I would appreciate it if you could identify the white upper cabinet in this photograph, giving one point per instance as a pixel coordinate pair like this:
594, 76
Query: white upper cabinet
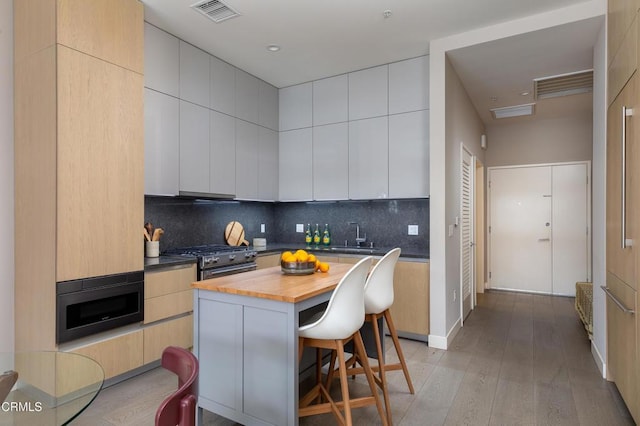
161, 61
409, 85
267, 164
295, 165
369, 158
161, 143
246, 160
268, 106
331, 162
222, 137
409, 155
331, 100
295, 107
194, 148
223, 86
368, 93
194, 75
247, 94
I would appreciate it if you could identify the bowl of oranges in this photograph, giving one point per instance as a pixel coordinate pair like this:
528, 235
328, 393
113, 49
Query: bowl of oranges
301, 263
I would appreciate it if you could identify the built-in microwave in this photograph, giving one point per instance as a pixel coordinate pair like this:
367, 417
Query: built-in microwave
92, 305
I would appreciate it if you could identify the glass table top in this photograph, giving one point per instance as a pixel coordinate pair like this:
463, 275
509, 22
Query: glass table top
53, 388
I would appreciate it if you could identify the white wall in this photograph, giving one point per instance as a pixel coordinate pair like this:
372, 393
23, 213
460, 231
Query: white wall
443, 323
6, 177
598, 188
540, 141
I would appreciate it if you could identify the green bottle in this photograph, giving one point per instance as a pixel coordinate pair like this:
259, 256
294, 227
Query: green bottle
316, 236
326, 236
307, 235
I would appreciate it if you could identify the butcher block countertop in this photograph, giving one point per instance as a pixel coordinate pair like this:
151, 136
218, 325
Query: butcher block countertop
271, 283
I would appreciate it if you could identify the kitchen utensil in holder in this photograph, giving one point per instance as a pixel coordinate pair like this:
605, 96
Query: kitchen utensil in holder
152, 248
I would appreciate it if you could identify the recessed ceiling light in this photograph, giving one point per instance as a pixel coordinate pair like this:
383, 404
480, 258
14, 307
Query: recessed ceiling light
513, 111
273, 48
386, 13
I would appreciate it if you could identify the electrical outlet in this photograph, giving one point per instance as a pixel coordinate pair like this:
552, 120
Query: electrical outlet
455, 295
299, 227
262, 228
413, 230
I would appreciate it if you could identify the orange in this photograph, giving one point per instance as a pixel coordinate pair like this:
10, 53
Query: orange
300, 252
324, 267
285, 254
312, 258
317, 265
302, 257
290, 258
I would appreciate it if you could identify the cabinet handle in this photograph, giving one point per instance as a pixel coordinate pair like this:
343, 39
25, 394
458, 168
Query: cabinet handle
617, 302
626, 112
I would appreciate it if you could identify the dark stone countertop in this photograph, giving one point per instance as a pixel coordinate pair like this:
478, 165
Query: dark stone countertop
376, 251
153, 263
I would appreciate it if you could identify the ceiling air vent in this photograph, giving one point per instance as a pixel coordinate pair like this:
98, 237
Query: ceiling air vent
513, 111
563, 85
215, 10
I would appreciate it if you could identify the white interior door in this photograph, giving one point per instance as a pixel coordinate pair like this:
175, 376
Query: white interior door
570, 243
520, 229
467, 261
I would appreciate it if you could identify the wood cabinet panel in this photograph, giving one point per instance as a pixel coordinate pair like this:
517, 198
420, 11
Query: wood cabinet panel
267, 261
177, 332
622, 262
623, 64
410, 309
34, 26
169, 305
117, 355
100, 176
168, 281
620, 14
112, 30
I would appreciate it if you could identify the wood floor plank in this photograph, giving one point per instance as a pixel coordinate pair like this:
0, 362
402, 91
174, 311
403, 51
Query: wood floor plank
513, 403
554, 405
473, 402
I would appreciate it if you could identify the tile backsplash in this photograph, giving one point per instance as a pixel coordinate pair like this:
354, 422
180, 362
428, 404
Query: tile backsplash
190, 222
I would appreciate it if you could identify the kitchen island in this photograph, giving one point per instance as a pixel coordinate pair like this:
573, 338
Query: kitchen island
246, 339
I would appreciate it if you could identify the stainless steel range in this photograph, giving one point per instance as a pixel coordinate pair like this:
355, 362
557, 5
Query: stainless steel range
218, 260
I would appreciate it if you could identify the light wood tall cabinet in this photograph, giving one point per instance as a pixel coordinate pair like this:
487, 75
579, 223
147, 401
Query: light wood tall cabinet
623, 202
78, 151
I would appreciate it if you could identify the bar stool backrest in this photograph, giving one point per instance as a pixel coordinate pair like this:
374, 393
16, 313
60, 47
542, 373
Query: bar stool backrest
345, 313
378, 290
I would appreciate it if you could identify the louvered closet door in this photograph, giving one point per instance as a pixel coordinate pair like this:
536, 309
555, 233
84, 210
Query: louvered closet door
466, 232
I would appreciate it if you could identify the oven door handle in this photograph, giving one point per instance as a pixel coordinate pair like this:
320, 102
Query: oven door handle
227, 270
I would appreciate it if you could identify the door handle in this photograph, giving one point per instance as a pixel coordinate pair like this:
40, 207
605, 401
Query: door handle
626, 242
617, 301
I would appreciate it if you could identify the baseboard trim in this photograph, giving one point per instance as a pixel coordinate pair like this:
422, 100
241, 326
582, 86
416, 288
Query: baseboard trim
602, 366
443, 342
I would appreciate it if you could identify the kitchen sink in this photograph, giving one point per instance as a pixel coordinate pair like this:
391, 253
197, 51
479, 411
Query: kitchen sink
353, 249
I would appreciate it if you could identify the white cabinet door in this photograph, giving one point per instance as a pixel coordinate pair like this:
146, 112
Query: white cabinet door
247, 93
295, 107
246, 160
223, 86
194, 74
331, 100
268, 106
222, 136
409, 155
368, 93
194, 148
267, 164
369, 158
331, 162
295, 177
161, 61
161, 143
409, 85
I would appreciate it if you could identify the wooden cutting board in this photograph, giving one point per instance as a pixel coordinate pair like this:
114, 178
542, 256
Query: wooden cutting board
234, 234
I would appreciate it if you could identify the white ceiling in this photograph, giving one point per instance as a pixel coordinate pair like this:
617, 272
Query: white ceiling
330, 37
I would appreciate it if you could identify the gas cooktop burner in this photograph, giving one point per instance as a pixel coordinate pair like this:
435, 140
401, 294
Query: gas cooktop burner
217, 260
204, 250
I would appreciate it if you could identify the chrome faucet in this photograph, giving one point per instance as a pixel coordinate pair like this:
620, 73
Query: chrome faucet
359, 240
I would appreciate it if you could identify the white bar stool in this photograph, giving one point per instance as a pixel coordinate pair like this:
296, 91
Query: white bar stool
378, 298
339, 324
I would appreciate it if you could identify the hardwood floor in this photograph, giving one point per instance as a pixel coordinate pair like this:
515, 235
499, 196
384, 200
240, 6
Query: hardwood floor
520, 359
